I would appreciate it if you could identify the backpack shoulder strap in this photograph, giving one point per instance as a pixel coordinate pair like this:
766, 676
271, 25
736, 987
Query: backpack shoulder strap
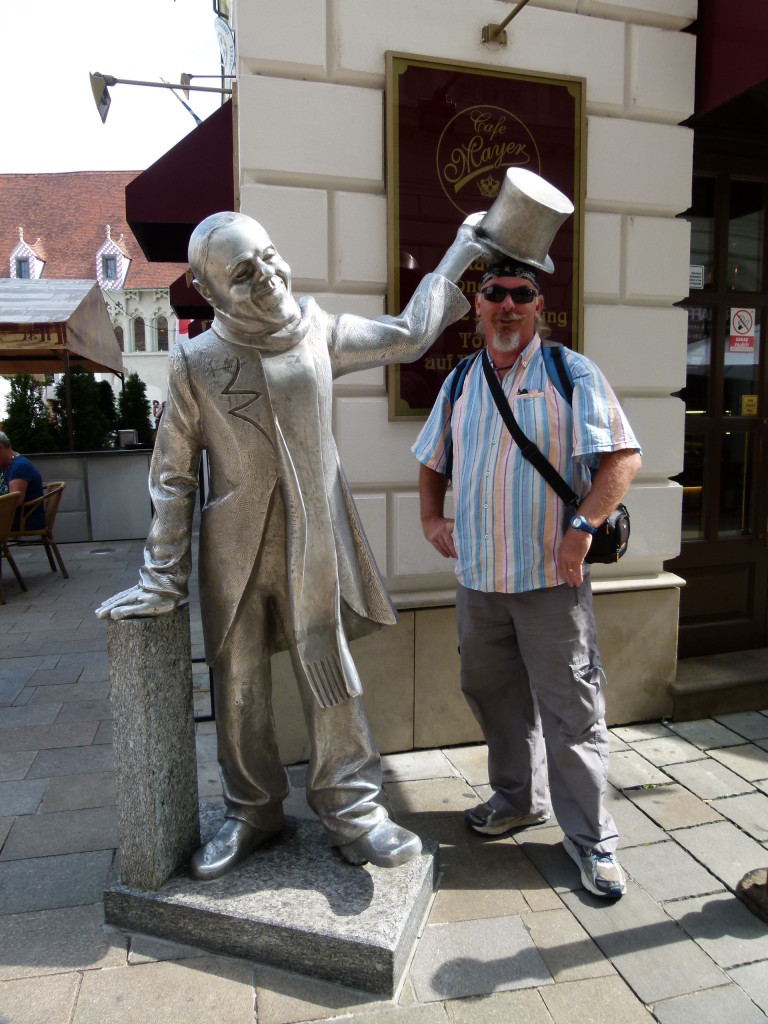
457, 385
558, 370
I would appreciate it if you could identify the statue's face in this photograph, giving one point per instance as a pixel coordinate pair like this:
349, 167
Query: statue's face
246, 277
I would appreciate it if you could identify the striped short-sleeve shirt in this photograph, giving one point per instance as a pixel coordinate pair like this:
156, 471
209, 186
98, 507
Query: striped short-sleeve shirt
509, 521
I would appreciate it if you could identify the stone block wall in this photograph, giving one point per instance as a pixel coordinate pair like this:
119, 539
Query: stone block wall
310, 123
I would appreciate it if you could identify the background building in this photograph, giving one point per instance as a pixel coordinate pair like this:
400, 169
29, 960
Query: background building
72, 225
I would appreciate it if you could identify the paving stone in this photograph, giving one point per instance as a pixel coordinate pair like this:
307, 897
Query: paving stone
57, 941
706, 733
499, 1008
667, 872
644, 731
417, 765
77, 691
12, 682
709, 779
144, 949
105, 733
544, 848
598, 1001
284, 998
652, 953
668, 750
206, 747
712, 1007
451, 794
468, 958
627, 770
75, 792
748, 761
44, 882
16, 766
567, 950
41, 714
754, 980
752, 725
47, 737
634, 827
614, 743
480, 885
208, 780
24, 697
21, 797
5, 828
39, 1000
724, 927
61, 832
85, 711
471, 762
72, 761
193, 991
672, 806
749, 812
61, 675
724, 849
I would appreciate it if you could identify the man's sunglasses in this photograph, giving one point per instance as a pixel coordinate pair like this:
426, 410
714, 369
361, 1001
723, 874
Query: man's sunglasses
520, 295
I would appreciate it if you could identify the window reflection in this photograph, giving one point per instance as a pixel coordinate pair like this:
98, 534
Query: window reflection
692, 482
696, 389
746, 226
701, 217
735, 485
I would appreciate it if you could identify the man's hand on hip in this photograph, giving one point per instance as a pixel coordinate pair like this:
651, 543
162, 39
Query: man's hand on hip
439, 532
570, 557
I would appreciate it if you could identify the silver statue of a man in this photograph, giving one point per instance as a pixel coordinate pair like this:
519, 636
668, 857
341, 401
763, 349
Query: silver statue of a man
283, 560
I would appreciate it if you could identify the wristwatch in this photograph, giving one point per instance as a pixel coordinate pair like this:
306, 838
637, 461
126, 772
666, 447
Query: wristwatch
580, 523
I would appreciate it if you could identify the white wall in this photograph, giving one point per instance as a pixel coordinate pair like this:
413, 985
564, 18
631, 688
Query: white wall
311, 138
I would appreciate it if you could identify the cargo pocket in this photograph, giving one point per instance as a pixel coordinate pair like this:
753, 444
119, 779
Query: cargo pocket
587, 699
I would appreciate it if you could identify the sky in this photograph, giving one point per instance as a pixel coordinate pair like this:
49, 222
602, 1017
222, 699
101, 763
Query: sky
48, 117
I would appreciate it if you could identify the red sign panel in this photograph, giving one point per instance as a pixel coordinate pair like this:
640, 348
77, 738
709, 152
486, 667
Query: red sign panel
452, 132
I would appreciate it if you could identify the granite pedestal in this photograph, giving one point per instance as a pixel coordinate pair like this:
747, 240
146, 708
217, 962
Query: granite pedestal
150, 670
294, 904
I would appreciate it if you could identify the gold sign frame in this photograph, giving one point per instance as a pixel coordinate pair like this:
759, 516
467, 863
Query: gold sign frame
452, 126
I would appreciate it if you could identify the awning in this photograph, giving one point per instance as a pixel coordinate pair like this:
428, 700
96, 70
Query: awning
46, 323
192, 180
731, 51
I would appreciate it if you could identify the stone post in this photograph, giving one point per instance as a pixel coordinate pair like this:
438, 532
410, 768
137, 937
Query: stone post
154, 745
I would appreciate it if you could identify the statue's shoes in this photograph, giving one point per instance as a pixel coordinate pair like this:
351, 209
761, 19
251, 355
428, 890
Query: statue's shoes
386, 845
234, 841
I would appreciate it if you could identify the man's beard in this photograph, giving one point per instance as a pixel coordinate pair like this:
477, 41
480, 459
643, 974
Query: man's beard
506, 340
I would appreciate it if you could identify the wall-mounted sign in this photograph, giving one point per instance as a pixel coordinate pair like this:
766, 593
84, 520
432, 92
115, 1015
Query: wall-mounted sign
696, 277
749, 405
742, 333
452, 132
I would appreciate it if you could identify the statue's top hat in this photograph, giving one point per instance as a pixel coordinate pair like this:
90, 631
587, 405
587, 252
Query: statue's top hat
525, 217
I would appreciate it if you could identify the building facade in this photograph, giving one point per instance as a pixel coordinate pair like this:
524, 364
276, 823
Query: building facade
310, 129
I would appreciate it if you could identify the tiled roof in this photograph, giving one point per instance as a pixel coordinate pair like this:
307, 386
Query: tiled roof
69, 213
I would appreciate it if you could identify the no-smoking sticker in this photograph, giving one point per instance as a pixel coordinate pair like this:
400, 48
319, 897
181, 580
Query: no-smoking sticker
742, 336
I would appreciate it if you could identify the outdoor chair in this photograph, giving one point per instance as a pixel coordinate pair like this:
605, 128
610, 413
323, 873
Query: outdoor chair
44, 535
8, 505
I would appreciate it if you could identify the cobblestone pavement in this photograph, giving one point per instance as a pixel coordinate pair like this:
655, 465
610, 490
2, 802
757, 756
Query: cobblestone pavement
511, 935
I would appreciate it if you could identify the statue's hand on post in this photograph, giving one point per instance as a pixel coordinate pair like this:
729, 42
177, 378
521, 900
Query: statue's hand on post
467, 247
137, 603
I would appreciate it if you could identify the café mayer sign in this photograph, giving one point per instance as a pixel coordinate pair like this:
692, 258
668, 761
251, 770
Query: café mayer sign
453, 130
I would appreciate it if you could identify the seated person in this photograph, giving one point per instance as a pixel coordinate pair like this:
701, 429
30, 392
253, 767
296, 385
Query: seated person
22, 477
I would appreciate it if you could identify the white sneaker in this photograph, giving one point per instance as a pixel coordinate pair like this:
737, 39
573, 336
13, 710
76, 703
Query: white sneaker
601, 873
490, 822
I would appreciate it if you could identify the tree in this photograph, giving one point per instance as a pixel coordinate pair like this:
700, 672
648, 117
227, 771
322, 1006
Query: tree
93, 419
134, 409
27, 422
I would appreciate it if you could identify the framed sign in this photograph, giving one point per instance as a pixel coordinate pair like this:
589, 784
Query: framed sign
453, 129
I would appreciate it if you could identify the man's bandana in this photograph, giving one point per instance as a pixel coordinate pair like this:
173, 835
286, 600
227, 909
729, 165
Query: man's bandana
512, 268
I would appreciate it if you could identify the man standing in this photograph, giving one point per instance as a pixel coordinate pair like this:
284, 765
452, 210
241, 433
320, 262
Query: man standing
529, 659
284, 563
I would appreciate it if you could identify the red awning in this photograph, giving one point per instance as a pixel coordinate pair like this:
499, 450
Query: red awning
731, 53
192, 180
